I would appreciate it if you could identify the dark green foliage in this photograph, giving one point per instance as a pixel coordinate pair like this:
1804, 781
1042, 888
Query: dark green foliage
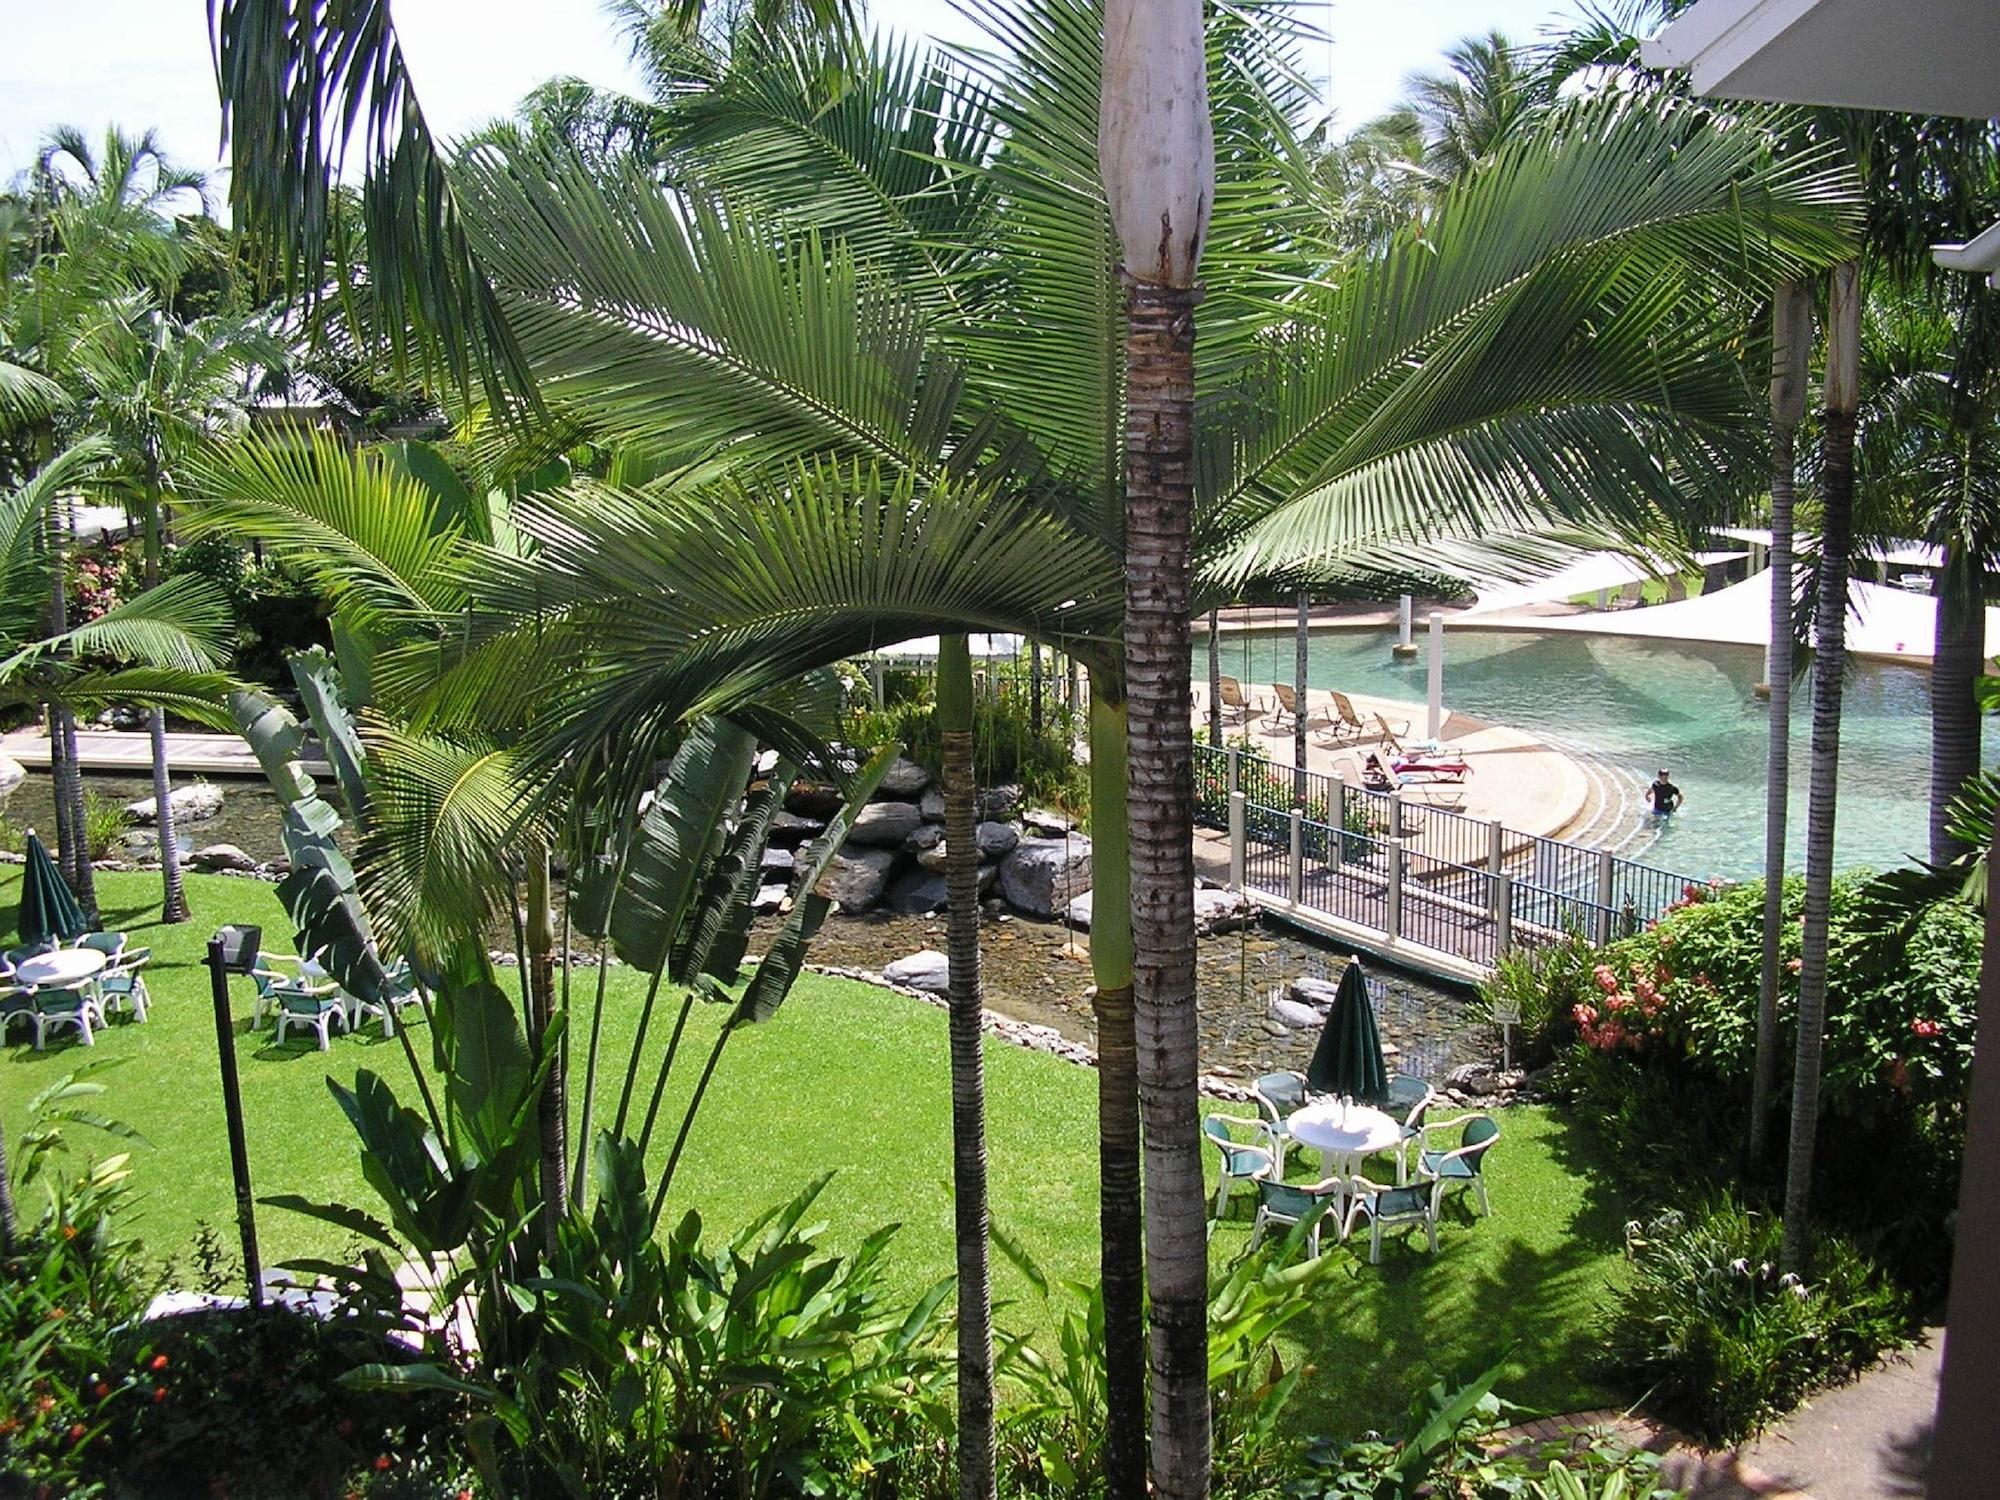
277, 610
1721, 1342
1007, 745
1544, 986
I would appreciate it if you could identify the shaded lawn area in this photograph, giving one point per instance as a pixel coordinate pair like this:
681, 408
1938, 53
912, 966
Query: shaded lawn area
853, 1081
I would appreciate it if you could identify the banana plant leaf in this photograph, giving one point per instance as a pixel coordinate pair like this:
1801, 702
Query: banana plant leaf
319, 891
717, 933
320, 687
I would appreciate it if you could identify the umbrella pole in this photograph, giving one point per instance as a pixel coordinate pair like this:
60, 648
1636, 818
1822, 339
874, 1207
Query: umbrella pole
232, 1109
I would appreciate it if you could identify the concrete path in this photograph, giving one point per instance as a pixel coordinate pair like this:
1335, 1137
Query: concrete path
132, 753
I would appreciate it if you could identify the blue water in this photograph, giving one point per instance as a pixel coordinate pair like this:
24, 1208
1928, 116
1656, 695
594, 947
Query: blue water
1641, 705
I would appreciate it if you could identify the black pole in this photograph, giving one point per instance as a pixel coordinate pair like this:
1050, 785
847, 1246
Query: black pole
232, 1109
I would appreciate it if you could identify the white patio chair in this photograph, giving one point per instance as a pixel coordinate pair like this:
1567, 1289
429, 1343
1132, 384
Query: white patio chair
120, 987
15, 1005
70, 1005
1389, 1205
1279, 1096
316, 1011
1240, 1162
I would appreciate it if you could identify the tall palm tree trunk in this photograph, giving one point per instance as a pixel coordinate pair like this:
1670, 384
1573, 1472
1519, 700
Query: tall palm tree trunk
1121, 1249
1215, 678
968, 1073
551, 1108
1843, 345
173, 896
73, 848
1955, 665
10, 1226
1156, 156
1791, 350
1159, 510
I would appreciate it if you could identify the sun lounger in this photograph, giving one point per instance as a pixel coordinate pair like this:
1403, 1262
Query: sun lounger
1235, 707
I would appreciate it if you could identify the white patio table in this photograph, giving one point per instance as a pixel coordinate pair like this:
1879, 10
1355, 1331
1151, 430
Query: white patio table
1344, 1133
64, 966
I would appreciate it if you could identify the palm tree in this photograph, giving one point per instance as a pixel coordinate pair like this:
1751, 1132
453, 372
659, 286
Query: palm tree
1843, 378
159, 388
1489, 92
968, 1074
1791, 351
957, 467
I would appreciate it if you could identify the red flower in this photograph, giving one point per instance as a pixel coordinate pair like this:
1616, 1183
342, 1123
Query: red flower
159, 1394
101, 1391
69, 1231
1607, 980
382, 1462
1925, 1028
157, 1362
76, 1432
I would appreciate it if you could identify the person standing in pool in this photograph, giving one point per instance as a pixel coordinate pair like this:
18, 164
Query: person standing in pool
1664, 795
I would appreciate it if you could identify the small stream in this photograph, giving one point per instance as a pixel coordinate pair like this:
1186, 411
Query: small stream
1032, 971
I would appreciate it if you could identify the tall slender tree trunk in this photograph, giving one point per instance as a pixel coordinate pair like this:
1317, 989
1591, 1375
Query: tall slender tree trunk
968, 1070
1035, 685
1843, 379
1159, 510
1121, 1251
551, 1108
1156, 157
1215, 678
65, 772
1955, 665
10, 1225
1791, 350
173, 896
1301, 647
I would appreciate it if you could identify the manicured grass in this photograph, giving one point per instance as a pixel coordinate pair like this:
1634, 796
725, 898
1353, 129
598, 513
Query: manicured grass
853, 1081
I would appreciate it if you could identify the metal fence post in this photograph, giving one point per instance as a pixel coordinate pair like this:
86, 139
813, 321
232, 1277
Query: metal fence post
1295, 867
1606, 880
1239, 833
1235, 772
1396, 814
1503, 913
1336, 815
1393, 916
1496, 861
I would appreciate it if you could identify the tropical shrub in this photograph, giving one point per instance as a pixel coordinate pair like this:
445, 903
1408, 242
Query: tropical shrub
1009, 748
1543, 987
1720, 1341
104, 824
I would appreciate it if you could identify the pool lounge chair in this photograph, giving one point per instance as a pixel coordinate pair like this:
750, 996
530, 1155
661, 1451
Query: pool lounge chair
1285, 717
1235, 707
1392, 735
1345, 725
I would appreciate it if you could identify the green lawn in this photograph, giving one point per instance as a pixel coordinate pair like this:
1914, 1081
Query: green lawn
853, 1080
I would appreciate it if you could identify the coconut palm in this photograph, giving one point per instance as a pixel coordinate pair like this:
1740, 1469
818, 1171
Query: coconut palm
1837, 426
957, 466
159, 388
1491, 89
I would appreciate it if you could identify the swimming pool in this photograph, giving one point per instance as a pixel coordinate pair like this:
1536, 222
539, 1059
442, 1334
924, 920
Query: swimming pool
1639, 705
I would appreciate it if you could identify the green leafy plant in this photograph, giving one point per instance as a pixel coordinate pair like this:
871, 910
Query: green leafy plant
104, 823
1720, 1341
1009, 747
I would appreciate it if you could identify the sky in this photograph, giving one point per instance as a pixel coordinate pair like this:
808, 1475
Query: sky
143, 63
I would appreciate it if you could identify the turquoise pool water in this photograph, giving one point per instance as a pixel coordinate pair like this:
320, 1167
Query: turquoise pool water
1641, 705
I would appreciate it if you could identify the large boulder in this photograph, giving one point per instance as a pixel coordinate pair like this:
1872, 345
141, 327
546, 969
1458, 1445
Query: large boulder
12, 774
1047, 822
776, 861
1295, 1015
190, 804
997, 840
916, 891
1042, 876
221, 857
1318, 993
1220, 911
999, 803
855, 878
931, 805
789, 828
904, 779
809, 799
885, 824
927, 836
927, 970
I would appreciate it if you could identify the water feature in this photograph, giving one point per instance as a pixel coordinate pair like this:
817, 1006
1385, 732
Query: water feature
250, 817
1637, 705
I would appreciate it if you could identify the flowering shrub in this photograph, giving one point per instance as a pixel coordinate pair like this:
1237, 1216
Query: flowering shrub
1631, 1012
1724, 1342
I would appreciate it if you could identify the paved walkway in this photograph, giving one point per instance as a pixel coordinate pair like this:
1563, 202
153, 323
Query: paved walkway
132, 753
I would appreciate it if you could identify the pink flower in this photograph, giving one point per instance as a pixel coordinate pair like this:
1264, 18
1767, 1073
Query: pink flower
1606, 979
1586, 1015
1795, 964
1925, 1028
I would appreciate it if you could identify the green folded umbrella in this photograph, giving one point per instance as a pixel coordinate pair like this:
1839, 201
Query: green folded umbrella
1348, 1060
48, 909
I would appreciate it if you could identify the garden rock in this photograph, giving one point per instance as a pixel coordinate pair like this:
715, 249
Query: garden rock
809, 799
905, 779
1220, 911
777, 861
1048, 823
1318, 993
1078, 912
789, 828
1292, 1013
916, 891
769, 899
190, 804
926, 970
997, 840
855, 877
933, 856
931, 805
885, 824
999, 803
12, 774
1042, 876
221, 857
929, 836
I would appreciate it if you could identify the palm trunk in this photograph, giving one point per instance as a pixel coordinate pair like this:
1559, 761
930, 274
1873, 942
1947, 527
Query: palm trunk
1829, 667
1035, 686
1955, 666
1159, 511
73, 851
173, 895
968, 1070
552, 1106
10, 1228
1791, 348
1121, 1251
1215, 678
